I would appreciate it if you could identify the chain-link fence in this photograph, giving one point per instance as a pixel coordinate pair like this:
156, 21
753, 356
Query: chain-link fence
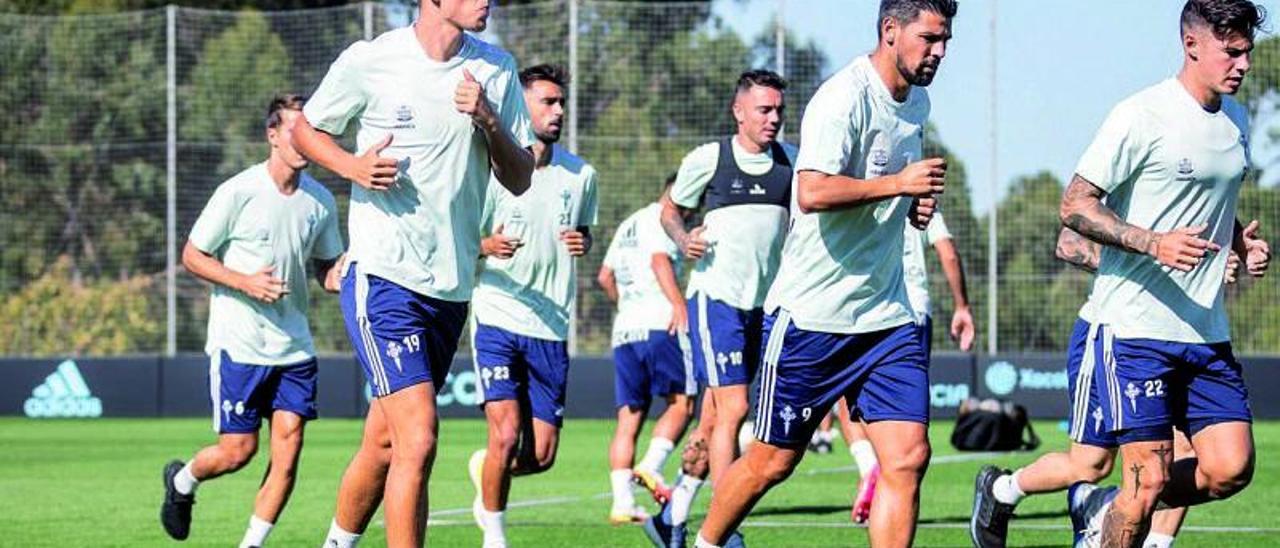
117, 128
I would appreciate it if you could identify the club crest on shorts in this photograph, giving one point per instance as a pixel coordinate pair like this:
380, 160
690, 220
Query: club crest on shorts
788, 414
393, 351
1132, 392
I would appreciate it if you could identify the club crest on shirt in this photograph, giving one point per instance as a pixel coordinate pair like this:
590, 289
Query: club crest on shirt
404, 117
879, 158
736, 186
1186, 171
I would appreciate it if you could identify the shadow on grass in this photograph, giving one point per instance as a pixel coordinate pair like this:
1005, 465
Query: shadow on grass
1016, 517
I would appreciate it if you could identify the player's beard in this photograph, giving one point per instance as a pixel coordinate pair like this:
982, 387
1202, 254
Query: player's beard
548, 137
917, 76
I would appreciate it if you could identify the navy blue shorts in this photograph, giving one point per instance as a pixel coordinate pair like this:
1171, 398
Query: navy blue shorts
725, 342
1085, 387
884, 375
656, 364
245, 394
401, 338
1153, 386
509, 366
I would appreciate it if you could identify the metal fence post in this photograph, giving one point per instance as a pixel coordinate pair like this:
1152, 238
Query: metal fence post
572, 141
368, 20
993, 268
171, 183
780, 48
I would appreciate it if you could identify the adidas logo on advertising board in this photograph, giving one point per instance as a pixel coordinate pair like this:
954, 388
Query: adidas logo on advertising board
63, 394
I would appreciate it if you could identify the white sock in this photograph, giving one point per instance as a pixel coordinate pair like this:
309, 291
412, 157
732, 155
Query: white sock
1157, 540
340, 538
256, 534
495, 533
704, 543
185, 482
656, 456
864, 455
1006, 488
682, 496
623, 499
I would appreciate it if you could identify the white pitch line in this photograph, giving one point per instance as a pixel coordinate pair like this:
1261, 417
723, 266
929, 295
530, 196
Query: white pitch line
551, 501
1017, 525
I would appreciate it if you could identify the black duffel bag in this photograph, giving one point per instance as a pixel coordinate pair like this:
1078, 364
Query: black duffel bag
993, 425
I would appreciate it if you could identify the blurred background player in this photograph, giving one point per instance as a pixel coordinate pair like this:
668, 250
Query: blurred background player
252, 242
961, 330
1169, 162
523, 302
438, 111
641, 273
742, 183
840, 323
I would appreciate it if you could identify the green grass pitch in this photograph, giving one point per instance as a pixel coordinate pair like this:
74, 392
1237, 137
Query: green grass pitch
97, 483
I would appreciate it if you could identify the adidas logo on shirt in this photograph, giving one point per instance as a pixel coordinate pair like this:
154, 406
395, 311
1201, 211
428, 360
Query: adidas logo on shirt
63, 394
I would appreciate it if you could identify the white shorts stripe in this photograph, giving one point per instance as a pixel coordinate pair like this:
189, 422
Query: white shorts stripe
215, 388
1084, 384
1113, 380
704, 333
690, 383
381, 386
475, 362
769, 374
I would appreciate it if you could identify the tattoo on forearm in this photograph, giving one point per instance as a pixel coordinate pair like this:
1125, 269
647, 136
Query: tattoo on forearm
1095, 221
1079, 251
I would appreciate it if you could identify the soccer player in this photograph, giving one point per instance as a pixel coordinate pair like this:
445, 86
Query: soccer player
1169, 162
438, 111
523, 302
743, 185
641, 273
1091, 455
961, 330
840, 322
253, 242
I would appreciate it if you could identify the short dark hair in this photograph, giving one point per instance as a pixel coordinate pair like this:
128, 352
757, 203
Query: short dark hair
671, 180
906, 11
1223, 17
760, 77
281, 103
545, 72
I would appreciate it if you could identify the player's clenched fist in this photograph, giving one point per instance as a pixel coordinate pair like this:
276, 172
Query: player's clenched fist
922, 210
470, 100
374, 171
923, 178
1258, 252
1183, 248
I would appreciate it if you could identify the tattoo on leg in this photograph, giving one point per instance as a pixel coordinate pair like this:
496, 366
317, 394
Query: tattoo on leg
1137, 481
1165, 453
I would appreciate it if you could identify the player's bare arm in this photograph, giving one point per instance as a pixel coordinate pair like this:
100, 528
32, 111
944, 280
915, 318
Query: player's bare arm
512, 165
328, 273
1255, 250
818, 191
262, 285
962, 328
666, 274
578, 241
370, 169
608, 282
1077, 250
1082, 210
674, 217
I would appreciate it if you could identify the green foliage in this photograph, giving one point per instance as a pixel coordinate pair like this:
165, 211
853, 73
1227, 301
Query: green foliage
63, 315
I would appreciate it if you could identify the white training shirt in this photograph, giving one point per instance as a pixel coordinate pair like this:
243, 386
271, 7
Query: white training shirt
249, 225
745, 240
642, 306
916, 246
842, 270
532, 293
424, 232
1166, 163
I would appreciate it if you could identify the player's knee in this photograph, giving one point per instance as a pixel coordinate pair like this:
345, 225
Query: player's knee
416, 447
544, 459
1092, 472
774, 468
731, 410
1227, 479
239, 451
911, 462
503, 440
